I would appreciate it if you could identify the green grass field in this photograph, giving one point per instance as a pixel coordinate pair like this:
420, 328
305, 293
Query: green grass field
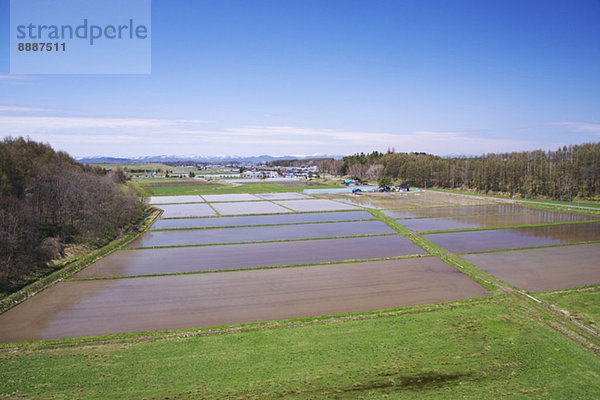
583, 304
229, 189
486, 349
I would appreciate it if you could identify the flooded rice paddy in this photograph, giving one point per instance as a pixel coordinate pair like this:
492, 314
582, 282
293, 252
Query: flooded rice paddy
315, 205
254, 255
492, 220
260, 233
283, 196
449, 211
250, 207
87, 308
186, 210
175, 199
261, 220
471, 241
538, 270
230, 197
409, 200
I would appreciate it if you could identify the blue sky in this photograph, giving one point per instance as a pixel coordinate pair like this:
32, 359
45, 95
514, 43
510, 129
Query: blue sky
307, 77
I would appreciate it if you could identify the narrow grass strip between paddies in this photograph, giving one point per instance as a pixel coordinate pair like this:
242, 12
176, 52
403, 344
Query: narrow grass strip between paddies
216, 212
264, 241
528, 248
324, 263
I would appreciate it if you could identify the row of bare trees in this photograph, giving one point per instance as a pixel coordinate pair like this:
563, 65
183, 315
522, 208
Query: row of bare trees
563, 174
48, 200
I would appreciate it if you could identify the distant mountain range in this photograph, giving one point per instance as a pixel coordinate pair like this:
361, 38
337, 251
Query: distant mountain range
195, 158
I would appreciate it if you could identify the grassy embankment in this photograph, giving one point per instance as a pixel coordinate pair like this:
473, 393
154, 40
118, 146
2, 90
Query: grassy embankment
581, 304
484, 349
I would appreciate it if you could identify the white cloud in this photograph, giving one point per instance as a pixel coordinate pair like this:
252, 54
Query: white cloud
23, 124
17, 79
19, 109
578, 126
151, 136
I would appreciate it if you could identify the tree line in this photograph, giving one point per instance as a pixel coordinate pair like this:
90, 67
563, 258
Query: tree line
49, 201
562, 174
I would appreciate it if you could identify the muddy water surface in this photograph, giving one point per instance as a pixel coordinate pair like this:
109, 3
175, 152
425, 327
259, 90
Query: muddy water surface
260, 220
315, 205
260, 233
283, 196
250, 207
411, 199
85, 308
230, 197
538, 270
186, 210
515, 238
448, 211
175, 199
493, 220
210, 258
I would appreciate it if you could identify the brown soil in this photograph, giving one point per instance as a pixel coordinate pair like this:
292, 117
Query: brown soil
538, 270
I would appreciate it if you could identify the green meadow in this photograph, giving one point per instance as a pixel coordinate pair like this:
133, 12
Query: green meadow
230, 189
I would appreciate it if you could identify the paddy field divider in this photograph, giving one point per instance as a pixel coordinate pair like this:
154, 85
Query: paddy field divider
267, 267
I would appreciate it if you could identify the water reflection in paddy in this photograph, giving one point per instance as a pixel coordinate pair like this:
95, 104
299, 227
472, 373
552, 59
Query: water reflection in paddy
250, 207
260, 233
493, 220
88, 308
249, 220
447, 211
186, 210
471, 241
222, 257
537, 270
315, 205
